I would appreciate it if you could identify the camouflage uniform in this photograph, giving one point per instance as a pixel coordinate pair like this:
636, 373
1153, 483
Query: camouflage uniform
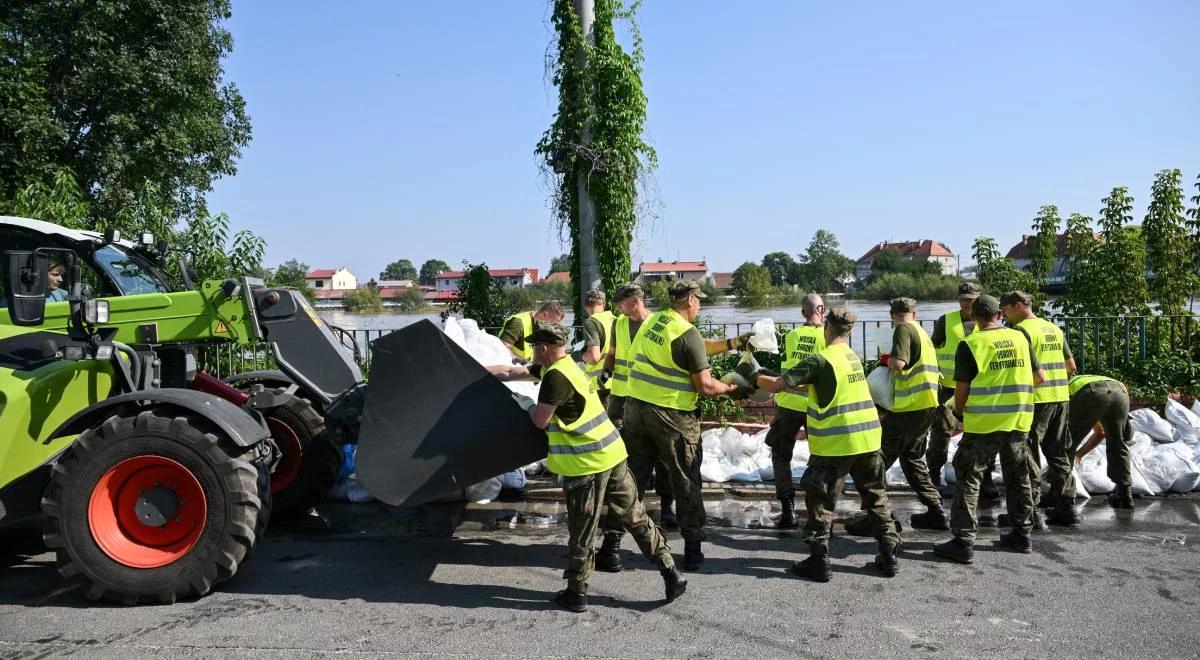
1105, 402
823, 481
904, 440
941, 427
781, 438
976, 452
587, 498
1049, 435
662, 479
654, 435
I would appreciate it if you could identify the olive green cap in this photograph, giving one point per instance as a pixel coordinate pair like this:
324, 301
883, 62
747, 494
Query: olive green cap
969, 290
1013, 297
629, 290
903, 305
547, 333
985, 305
684, 288
595, 296
841, 317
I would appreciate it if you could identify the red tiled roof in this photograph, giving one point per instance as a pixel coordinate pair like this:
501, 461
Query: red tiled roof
560, 276
672, 266
494, 272
723, 280
321, 274
922, 248
1021, 250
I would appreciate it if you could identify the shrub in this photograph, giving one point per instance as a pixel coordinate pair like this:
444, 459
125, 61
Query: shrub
921, 287
364, 300
409, 299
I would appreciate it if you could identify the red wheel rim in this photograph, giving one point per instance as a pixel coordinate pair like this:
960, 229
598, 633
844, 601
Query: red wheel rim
291, 454
147, 511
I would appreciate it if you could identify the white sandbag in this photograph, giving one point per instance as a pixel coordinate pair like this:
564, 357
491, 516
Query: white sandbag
1196, 407
742, 469
766, 471
1177, 459
514, 480
1147, 421
1092, 470
895, 476
486, 349
736, 443
710, 440
712, 468
535, 469
801, 453
484, 491
882, 382
1186, 422
1081, 491
764, 338
1139, 484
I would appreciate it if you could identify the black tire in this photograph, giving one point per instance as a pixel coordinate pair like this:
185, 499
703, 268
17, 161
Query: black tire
321, 460
224, 471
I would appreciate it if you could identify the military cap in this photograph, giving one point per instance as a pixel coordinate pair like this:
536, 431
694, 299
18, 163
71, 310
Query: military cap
985, 305
595, 296
841, 317
903, 305
1014, 297
628, 290
683, 288
545, 332
969, 290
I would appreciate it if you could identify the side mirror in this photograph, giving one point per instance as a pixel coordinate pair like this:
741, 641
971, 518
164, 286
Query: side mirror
25, 279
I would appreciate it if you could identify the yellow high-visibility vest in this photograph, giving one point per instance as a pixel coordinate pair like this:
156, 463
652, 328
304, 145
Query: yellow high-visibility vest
848, 424
916, 387
955, 333
798, 344
1080, 381
520, 346
1001, 396
594, 370
654, 376
591, 443
1047, 341
622, 356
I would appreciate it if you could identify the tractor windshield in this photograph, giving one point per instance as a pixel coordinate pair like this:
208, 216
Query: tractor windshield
131, 272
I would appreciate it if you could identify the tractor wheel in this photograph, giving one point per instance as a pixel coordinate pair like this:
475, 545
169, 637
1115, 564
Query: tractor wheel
309, 462
152, 507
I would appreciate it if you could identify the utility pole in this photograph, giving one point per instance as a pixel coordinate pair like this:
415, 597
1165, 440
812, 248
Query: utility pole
589, 267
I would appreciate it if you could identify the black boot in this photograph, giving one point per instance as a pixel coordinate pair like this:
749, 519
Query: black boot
692, 555
1121, 498
787, 519
1063, 515
608, 557
1005, 520
814, 568
673, 582
569, 600
667, 513
956, 550
1018, 541
934, 519
886, 563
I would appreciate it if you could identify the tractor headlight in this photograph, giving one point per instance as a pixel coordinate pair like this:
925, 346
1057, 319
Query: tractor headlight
95, 312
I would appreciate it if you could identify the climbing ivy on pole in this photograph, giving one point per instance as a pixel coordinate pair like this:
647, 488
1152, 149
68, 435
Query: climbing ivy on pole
596, 135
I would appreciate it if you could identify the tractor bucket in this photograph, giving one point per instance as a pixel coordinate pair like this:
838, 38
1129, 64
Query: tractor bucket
435, 421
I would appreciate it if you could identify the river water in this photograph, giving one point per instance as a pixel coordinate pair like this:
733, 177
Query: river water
871, 314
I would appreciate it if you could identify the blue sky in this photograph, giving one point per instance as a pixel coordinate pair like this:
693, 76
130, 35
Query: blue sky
399, 129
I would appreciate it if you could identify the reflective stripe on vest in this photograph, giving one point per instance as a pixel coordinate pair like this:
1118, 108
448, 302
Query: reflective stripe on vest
798, 344
593, 371
1047, 342
1001, 396
654, 376
1081, 381
916, 387
848, 425
945, 355
521, 347
591, 443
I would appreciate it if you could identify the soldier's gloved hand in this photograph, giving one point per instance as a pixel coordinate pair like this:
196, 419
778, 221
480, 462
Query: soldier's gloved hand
741, 392
742, 341
605, 376
749, 371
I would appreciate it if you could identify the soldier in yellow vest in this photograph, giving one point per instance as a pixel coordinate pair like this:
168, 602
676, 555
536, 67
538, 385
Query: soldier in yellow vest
791, 407
1102, 404
995, 373
670, 373
587, 451
597, 340
518, 326
844, 437
1050, 434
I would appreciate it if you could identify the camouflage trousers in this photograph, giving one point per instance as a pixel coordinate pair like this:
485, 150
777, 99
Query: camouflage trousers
1050, 435
1106, 403
781, 438
976, 452
658, 437
588, 497
823, 481
904, 440
662, 479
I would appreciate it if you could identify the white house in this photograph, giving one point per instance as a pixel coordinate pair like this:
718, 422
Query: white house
326, 279
676, 270
522, 277
923, 250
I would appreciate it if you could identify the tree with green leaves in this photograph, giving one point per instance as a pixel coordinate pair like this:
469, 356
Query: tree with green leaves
1169, 249
1043, 244
1194, 231
409, 299
752, 285
401, 269
560, 264
431, 269
781, 266
293, 273
595, 143
1084, 277
363, 300
480, 298
824, 262
892, 260
1122, 254
997, 274
121, 93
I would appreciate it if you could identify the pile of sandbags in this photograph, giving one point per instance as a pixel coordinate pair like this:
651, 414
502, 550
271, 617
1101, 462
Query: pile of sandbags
730, 455
1164, 454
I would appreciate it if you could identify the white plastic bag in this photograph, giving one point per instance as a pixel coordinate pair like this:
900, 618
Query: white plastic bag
484, 491
764, 338
895, 476
712, 468
1196, 407
742, 468
1092, 471
882, 381
514, 480
1186, 423
1176, 459
1147, 421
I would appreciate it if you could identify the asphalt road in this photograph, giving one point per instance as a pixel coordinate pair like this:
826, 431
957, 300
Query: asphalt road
1119, 587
